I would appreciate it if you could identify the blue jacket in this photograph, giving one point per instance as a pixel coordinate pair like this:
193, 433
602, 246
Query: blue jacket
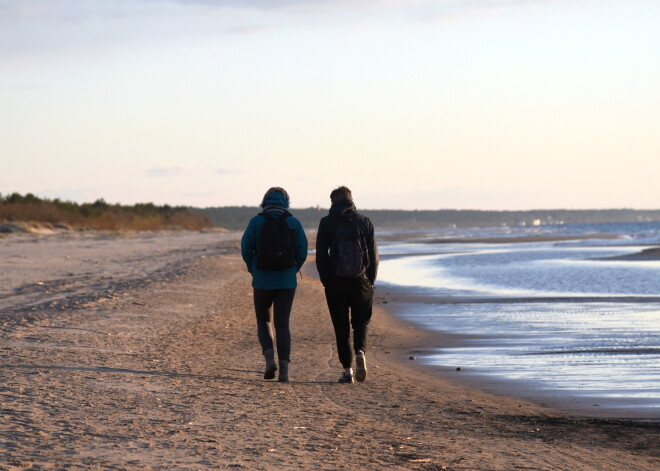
273, 279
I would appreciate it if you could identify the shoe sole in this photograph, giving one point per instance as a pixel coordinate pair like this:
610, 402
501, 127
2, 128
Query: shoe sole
361, 369
270, 372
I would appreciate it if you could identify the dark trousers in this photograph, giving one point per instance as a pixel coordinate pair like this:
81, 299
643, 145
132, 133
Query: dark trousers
355, 295
281, 300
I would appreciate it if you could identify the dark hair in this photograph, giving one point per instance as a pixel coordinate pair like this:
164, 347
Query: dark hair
275, 189
341, 193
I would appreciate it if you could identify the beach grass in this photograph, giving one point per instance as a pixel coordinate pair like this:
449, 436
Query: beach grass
98, 215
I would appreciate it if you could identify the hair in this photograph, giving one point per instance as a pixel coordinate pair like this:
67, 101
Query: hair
341, 193
275, 189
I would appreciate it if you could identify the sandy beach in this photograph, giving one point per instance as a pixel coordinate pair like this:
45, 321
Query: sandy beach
140, 352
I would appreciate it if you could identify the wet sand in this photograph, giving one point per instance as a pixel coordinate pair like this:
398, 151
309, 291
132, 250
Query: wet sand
151, 361
399, 302
651, 255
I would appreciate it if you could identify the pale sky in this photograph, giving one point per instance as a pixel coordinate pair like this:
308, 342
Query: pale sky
413, 104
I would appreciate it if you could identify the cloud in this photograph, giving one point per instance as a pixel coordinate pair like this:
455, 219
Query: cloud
53, 29
175, 171
292, 5
78, 10
22, 87
351, 6
185, 171
247, 29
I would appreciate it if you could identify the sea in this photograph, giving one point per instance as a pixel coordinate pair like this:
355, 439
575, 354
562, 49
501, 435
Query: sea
548, 309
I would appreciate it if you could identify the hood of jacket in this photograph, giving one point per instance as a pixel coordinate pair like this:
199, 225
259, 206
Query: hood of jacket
276, 203
342, 209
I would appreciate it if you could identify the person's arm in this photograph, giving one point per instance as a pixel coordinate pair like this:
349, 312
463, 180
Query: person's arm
300, 247
249, 245
372, 250
322, 256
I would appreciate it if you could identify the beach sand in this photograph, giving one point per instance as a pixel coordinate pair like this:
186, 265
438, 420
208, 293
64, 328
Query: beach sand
151, 361
651, 254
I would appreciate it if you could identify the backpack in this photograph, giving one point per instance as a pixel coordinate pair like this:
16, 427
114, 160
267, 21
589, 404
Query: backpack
275, 247
348, 252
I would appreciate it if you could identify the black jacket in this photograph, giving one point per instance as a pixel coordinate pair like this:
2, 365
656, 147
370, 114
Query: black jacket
327, 229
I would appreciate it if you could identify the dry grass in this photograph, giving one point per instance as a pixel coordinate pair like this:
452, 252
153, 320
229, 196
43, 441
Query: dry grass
99, 215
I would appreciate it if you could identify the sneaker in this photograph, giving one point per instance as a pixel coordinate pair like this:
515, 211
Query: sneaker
346, 378
361, 368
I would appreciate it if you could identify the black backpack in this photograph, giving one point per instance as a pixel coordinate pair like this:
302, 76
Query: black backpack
275, 248
348, 252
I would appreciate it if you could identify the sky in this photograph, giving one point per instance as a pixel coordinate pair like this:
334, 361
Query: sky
413, 104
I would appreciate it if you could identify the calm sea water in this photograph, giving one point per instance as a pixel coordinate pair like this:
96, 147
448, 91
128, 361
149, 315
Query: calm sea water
551, 313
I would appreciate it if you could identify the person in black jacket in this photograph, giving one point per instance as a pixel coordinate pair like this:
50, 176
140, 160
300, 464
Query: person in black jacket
347, 262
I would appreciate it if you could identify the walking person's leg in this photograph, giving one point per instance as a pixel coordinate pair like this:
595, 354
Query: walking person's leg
361, 301
336, 296
263, 300
281, 314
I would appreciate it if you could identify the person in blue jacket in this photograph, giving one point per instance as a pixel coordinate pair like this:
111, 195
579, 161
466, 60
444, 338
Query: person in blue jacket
274, 288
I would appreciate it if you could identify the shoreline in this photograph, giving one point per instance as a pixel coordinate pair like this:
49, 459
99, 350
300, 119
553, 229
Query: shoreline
58, 295
401, 302
389, 302
553, 399
652, 254
165, 372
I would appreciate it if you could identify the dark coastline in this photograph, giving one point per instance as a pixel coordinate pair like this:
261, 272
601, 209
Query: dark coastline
236, 217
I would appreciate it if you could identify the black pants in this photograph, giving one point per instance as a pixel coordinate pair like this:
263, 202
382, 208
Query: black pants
355, 295
282, 301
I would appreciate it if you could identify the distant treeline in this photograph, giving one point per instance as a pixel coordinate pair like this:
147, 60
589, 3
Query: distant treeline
237, 217
98, 215
147, 216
